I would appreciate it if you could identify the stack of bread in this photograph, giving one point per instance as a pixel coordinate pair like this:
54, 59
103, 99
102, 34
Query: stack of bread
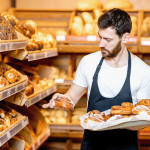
146, 27
86, 24
126, 110
55, 116
7, 29
7, 117
8, 76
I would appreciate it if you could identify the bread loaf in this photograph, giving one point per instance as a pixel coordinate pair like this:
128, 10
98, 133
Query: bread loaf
133, 19
78, 19
85, 5
134, 29
122, 4
76, 28
144, 30
97, 13
87, 17
88, 29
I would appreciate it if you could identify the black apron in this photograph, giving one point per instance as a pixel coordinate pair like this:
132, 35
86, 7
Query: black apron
118, 139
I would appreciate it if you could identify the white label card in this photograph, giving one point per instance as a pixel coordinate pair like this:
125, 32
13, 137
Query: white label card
91, 38
59, 80
146, 43
60, 37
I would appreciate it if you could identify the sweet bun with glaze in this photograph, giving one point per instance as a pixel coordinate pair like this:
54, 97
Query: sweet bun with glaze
64, 103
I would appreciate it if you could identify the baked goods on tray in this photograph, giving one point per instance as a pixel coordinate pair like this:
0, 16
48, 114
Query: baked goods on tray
126, 110
64, 103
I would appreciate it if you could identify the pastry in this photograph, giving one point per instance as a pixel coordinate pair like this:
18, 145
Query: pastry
13, 120
141, 110
84, 5
2, 70
145, 102
97, 13
107, 117
9, 110
127, 104
32, 23
12, 75
29, 90
123, 4
2, 113
64, 103
76, 28
36, 79
96, 116
3, 82
119, 110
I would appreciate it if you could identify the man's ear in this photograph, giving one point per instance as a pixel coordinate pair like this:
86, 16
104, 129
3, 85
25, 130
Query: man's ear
125, 37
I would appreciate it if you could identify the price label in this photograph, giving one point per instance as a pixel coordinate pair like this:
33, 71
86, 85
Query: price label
91, 38
59, 80
146, 43
60, 37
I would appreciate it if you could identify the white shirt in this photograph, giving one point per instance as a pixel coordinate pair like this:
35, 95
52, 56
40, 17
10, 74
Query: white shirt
111, 80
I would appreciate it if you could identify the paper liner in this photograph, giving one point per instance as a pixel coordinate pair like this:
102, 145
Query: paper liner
134, 121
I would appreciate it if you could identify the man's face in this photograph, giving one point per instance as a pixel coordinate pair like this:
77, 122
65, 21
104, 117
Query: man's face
110, 42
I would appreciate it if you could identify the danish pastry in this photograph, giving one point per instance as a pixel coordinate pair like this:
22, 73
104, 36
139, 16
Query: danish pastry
145, 102
141, 110
64, 103
3, 82
119, 110
95, 115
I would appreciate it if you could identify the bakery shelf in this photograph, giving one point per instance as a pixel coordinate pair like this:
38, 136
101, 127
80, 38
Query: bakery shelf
61, 81
13, 129
41, 95
21, 99
41, 139
32, 55
8, 45
15, 89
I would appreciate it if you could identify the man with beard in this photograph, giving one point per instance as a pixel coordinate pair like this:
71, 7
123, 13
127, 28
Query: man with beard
113, 76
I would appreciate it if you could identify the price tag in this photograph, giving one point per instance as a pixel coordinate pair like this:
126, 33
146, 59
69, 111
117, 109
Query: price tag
59, 80
91, 38
60, 37
146, 43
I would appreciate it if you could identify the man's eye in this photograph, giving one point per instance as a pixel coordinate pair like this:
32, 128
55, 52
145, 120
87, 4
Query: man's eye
108, 40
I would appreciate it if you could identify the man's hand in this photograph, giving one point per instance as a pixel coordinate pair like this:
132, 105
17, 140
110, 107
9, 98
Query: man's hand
51, 103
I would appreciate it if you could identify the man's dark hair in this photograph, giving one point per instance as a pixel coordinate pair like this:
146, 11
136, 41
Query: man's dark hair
117, 19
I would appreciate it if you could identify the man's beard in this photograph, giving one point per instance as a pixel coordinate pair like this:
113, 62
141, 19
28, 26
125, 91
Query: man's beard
114, 52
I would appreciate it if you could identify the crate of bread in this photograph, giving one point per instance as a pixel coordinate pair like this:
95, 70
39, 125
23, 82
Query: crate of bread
10, 39
124, 116
11, 123
11, 81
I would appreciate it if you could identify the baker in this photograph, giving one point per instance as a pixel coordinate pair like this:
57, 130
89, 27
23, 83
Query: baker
112, 76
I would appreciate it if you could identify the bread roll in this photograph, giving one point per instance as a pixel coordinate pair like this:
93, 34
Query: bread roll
144, 30
63, 74
88, 29
133, 19
146, 21
78, 19
122, 4
61, 120
76, 28
84, 5
87, 17
134, 29
97, 13
32, 23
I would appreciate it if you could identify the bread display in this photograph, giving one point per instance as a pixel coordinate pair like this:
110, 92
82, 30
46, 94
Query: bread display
55, 116
64, 103
84, 5
123, 4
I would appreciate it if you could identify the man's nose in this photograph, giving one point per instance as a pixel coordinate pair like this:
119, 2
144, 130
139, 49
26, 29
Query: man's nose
102, 43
